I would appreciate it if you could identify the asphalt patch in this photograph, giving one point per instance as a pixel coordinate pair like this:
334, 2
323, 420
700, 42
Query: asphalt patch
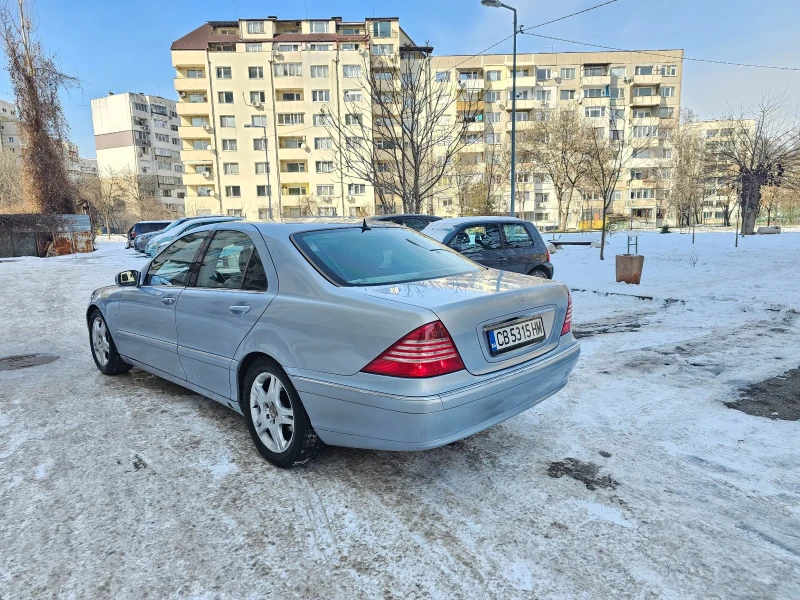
774, 398
23, 361
586, 472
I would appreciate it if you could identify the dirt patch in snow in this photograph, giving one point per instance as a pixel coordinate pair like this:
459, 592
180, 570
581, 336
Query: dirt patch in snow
774, 398
23, 361
586, 472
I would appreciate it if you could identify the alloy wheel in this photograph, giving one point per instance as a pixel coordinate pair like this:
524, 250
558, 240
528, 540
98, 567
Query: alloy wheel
272, 413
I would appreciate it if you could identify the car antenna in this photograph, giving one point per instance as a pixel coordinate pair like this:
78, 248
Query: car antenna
365, 227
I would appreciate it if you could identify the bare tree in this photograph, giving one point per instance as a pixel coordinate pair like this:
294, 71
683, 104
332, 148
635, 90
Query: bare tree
104, 198
692, 168
140, 193
11, 200
764, 150
395, 131
558, 142
37, 82
609, 155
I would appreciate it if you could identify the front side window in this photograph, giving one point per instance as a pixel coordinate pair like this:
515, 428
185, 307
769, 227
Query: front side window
231, 262
172, 266
380, 256
477, 238
517, 236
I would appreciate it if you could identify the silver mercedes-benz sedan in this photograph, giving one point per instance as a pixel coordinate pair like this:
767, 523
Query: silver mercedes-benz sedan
361, 335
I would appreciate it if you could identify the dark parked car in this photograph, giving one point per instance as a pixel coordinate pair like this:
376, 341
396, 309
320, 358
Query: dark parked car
497, 242
416, 222
144, 227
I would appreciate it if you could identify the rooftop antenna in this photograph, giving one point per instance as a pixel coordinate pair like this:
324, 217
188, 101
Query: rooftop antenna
365, 227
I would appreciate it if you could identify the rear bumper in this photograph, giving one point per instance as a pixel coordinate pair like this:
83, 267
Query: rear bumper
348, 416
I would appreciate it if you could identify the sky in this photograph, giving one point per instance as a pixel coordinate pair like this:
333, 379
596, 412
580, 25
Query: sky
121, 46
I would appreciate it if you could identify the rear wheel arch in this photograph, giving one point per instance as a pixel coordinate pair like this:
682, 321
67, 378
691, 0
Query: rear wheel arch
244, 367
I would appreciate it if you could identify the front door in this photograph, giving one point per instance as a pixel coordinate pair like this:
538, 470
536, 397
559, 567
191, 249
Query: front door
480, 243
215, 314
146, 330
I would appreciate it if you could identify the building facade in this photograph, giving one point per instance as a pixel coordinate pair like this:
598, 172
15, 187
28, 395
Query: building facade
138, 134
78, 166
620, 94
9, 129
252, 102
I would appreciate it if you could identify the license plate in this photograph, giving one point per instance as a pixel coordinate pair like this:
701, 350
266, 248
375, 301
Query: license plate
515, 335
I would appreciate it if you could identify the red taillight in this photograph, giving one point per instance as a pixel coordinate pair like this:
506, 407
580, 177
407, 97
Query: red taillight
427, 351
133, 234
568, 318
548, 255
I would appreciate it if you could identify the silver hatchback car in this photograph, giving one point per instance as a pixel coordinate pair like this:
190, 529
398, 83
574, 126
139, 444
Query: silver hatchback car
369, 336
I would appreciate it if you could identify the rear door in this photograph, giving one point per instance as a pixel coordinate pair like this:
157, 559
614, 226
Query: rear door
519, 248
147, 330
235, 283
481, 243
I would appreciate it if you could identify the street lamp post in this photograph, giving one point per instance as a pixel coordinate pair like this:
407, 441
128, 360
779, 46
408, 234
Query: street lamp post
498, 4
266, 165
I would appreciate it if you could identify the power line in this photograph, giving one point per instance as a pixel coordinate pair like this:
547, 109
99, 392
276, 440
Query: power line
704, 60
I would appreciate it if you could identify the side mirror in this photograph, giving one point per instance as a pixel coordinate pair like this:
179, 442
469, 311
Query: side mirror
127, 278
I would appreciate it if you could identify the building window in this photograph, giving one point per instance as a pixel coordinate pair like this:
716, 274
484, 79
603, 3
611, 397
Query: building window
493, 138
230, 168
321, 120
291, 97
320, 95
224, 48
669, 70
259, 144
640, 131
324, 166
642, 113
595, 111
642, 91
295, 191
290, 118
224, 73
352, 119
345, 47
255, 72
258, 121
227, 121
356, 189
666, 112
543, 74
617, 114
199, 144
382, 49
352, 71
592, 71
176, 141
567, 94
234, 212
225, 97
319, 47
291, 143
318, 26
318, 71
543, 95
352, 96
261, 168
257, 97
255, 27
252, 47
618, 71
616, 93
157, 109
381, 29
594, 93
441, 76
492, 117
197, 98
492, 97
567, 73
136, 106
350, 31
323, 143
164, 166
288, 47
261, 192
233, 191
325, 190
493, 75
668, 91
290, 70
644, 70
229, 145
162, 137
294, 167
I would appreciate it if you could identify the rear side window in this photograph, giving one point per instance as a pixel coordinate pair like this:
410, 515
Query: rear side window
379, 256
229, 257
517, 235
476, 238
173, 265
150, 227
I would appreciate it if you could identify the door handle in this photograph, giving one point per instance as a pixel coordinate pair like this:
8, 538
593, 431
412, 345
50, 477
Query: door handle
168, 300
501, 258
239, 309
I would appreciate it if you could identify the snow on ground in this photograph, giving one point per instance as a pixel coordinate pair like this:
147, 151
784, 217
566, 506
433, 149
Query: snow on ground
131, 487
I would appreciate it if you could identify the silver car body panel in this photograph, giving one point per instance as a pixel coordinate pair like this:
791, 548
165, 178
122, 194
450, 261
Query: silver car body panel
323, 336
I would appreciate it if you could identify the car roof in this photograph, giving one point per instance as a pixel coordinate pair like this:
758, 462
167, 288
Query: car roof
143, 222
403, 216
288, 227
454, 221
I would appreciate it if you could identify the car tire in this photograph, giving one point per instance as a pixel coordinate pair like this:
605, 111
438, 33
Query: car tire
274, 414
541, 273
104, 350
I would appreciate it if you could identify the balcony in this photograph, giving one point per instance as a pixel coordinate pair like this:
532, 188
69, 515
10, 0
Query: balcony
294, 154
526, 81
521, 125
471, 84
596, 81
476, 126
191, 156
654, 79
470, 107
294, 178
193, 109
525, 104
191, 132
646, 100
190, 84
198, 179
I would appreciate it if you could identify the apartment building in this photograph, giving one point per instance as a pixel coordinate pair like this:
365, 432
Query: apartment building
78, 166
621, 93
9, 130
138, 133
253, 96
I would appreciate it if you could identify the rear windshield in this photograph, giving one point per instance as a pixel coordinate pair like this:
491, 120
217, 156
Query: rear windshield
379, 256
150, 227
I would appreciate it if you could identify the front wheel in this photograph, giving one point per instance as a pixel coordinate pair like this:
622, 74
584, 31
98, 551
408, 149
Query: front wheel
539, 273
104, 351
277, 421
